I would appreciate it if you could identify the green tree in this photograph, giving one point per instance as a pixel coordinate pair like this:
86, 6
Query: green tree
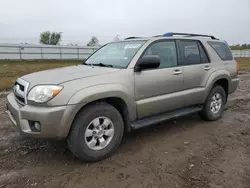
51, 38
237, 47
244, 46
93, 41
240, 47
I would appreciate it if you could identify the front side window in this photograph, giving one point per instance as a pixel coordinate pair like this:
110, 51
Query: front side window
116, 55
166, 51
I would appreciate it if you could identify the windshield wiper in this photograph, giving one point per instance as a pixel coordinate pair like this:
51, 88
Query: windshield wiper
97, 64
101, 65
85, 63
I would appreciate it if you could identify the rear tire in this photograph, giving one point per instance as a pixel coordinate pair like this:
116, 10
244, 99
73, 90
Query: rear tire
92, 141
214, 105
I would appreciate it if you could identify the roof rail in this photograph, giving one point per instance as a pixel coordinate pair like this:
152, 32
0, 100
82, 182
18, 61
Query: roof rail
131, 38
170, 34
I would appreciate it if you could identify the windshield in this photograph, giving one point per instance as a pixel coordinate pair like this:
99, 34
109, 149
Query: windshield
116, 55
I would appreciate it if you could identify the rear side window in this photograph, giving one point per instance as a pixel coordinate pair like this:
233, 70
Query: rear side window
204, 58
222, 50
191, 52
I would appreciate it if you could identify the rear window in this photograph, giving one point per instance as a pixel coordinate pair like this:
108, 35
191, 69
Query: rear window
222, 50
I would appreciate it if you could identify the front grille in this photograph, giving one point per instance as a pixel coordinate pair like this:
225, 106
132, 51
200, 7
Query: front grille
20, 99
21, 86
20, 91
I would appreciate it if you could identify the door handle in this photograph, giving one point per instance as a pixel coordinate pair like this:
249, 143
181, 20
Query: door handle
177, 72
207, 68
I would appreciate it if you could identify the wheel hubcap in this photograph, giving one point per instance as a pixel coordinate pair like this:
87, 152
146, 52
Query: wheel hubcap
99, 133
216, 102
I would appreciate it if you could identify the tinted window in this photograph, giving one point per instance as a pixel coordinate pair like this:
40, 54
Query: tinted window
222, 50
204, 58
189, 53
166, 51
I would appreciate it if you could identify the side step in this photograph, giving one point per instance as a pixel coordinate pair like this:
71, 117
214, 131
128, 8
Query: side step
145, 122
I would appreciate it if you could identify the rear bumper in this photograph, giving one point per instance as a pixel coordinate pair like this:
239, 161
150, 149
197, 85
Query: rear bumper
234, 84
55, 121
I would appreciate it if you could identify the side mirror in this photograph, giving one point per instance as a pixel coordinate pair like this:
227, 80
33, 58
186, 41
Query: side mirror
148, 62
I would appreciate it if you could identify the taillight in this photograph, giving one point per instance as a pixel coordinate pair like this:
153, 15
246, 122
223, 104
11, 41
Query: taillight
237, 67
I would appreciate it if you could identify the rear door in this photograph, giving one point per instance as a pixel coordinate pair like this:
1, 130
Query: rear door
196, 70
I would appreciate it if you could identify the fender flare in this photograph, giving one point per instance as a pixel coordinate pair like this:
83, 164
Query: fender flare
218, 75
102, 91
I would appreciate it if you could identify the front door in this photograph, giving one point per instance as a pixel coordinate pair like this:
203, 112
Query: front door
155, 89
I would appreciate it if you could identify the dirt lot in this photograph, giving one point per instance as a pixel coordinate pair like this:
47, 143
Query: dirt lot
187, 152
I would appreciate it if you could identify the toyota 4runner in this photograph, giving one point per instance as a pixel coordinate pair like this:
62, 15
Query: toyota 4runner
124, 86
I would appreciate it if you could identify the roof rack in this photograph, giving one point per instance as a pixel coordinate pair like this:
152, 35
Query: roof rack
131, 38
170, 34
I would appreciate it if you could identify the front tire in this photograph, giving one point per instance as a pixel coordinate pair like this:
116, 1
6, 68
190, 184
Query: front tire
96, 132
214, 105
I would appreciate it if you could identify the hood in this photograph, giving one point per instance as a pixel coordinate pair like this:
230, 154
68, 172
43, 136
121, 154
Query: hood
65, 74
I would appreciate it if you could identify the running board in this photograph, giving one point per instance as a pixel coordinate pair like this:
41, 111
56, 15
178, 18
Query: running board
145, 122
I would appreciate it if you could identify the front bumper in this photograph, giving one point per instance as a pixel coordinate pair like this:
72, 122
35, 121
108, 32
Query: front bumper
55, 121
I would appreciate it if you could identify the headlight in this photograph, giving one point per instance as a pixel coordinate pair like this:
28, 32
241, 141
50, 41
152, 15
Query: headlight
43, 93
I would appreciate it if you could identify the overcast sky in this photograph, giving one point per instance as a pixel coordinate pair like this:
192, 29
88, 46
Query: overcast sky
23, 20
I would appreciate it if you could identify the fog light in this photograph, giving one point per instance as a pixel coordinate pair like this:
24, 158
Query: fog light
37, 126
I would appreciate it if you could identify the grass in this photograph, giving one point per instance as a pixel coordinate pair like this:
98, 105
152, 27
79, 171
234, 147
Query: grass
244, 64
11, 70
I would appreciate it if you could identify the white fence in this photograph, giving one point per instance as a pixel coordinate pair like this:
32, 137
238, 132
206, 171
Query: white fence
241, 53
28, 51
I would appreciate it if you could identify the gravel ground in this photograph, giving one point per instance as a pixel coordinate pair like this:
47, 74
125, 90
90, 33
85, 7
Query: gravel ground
186, 152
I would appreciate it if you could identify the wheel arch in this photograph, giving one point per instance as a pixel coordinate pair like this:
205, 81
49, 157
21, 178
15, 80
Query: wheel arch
221, 78
116, 96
